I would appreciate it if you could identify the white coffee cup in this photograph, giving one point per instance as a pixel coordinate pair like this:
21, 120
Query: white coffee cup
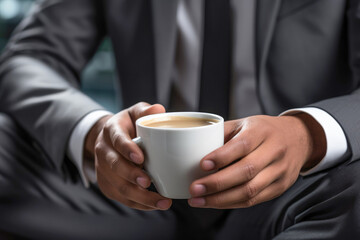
172, 155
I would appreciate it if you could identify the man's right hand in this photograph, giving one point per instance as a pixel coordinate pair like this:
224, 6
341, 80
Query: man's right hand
119, 161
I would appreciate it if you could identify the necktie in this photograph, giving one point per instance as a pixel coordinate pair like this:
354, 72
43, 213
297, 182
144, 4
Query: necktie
216, 61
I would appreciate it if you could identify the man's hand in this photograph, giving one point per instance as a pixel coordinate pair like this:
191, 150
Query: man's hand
118, 160
261, 159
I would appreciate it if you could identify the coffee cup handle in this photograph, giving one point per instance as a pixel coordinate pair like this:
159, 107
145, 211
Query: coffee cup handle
138, 141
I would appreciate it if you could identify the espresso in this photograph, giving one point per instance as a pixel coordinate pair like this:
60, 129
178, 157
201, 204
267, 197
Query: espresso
178, 122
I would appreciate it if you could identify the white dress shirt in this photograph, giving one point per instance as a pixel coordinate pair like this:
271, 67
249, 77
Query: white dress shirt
76, 145
186, 81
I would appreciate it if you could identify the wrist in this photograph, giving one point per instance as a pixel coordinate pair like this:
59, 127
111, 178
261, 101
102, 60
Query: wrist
90, 139
317, 140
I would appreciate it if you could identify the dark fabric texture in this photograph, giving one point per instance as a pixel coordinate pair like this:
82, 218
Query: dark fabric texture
37, 202
307, 54
41, 93
51, 98
346, 109
130, 27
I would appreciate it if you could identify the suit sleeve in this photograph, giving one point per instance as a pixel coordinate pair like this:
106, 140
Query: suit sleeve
346, 109
40, 71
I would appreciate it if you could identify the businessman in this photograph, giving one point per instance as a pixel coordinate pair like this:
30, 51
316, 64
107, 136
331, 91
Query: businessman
285, 74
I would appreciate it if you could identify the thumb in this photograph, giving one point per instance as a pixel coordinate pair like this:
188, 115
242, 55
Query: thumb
142, 109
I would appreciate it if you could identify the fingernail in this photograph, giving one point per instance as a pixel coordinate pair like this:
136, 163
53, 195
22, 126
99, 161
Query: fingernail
197, 202
143, 182
198, 190
208, 165
163, 204
135, 158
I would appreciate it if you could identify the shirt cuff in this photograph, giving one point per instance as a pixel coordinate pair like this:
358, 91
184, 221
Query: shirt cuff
335, 138
76, 145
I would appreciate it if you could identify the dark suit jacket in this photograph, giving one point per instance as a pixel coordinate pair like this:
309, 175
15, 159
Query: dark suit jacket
307, 53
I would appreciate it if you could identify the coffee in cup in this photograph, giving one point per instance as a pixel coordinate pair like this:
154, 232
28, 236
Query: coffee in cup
178, 122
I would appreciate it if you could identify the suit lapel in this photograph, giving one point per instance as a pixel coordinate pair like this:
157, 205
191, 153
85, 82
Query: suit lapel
266, 13
164, 23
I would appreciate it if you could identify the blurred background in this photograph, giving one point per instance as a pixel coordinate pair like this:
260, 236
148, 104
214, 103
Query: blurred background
98, 77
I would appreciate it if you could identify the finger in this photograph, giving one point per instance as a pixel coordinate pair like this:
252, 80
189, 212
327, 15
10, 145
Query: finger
239, 146
143, 109
117, 136
141, 196
112, 161
145, 197
240, 193
122, 189
110, 192
238, 173
231, 128
132, 191
121, 130
272, 191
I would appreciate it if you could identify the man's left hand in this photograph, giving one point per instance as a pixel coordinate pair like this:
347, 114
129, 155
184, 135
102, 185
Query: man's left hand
262, 157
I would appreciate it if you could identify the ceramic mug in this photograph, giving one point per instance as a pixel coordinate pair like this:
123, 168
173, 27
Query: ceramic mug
172, 155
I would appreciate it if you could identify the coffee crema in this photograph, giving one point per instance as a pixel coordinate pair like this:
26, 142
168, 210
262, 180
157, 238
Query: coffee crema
178, 122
